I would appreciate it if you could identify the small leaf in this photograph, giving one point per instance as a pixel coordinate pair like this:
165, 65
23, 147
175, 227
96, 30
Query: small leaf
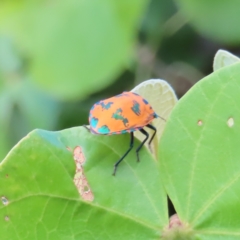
78, 49
224, 58
162, 98
40, 109
217, 20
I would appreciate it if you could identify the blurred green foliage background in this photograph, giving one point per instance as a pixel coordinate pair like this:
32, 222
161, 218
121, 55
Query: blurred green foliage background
58, 57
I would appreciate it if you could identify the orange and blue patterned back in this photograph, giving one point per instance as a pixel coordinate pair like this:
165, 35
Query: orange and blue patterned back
126, 112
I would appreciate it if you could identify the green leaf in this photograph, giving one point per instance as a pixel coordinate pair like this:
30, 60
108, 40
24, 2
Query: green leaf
10, 62
23, 106
39, 109
40, 200
75, 47
223, 59
5, 115
5, 110
200, 156
158, 12
215, 19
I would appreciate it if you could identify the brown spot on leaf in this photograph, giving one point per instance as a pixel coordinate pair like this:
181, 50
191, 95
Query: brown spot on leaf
6, 218
200, 123
78, 155
79, 178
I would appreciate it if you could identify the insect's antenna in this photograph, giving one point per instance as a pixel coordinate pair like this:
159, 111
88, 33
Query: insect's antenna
162, 118
157, 116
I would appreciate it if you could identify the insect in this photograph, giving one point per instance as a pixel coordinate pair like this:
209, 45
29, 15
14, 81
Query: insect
123, 113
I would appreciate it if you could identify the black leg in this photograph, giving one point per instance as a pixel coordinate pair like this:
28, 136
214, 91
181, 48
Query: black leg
155, 131
139, 148
118, 162
86, 127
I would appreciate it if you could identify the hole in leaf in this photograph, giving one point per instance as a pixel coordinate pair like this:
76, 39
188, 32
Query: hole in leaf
79, 178
200, 123
230, 122
4, 201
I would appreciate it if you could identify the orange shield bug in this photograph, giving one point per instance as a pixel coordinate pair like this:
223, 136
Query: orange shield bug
123, 113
